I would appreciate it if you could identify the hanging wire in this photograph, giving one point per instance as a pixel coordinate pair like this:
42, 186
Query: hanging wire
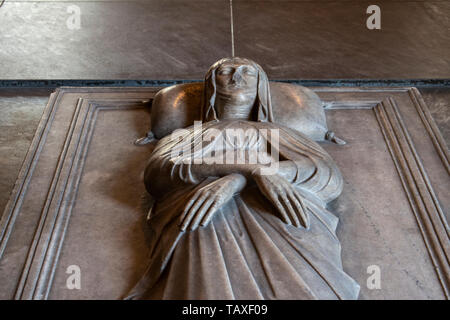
232, 28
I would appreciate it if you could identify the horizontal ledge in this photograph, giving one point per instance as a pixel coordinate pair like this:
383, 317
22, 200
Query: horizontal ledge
161, 82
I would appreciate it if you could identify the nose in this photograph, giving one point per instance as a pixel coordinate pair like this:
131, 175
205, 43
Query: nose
237, 77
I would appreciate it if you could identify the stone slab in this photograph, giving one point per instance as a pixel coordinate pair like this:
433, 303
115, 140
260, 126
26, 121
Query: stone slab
79, 198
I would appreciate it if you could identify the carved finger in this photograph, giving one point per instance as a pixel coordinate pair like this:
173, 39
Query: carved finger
210, 213
272, 196
290, 210
190, 204
192, 211
298, 208
281, 210
201, 213
302, 210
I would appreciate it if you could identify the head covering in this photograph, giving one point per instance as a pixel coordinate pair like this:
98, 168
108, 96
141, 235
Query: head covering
263, 101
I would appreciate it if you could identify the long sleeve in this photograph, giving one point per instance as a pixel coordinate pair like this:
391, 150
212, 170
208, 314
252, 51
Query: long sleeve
169, 166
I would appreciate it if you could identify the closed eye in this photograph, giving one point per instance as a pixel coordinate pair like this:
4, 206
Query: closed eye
225, 71
249, 71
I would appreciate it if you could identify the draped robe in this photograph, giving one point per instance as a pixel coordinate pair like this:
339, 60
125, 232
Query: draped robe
246, 251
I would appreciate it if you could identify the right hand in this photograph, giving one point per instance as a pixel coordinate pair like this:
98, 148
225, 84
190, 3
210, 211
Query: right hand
284, 197
207, 200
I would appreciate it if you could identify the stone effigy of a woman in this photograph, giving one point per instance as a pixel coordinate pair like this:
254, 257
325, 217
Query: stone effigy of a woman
240, 203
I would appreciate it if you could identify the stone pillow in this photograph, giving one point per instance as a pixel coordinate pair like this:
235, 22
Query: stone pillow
294, 106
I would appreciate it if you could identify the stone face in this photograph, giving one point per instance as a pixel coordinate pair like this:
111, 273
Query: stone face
80, 195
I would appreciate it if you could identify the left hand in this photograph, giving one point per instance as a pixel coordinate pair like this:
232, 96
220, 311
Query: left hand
285, 198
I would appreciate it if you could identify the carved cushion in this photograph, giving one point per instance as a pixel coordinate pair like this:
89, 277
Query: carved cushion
294, 106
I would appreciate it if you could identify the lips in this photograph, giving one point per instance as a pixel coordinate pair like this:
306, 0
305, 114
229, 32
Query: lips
236, 86
236, 91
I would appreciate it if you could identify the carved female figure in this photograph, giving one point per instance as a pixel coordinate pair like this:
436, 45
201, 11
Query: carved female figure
237, 230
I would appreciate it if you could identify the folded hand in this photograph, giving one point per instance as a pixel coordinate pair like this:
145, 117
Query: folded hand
207, 200
284, 197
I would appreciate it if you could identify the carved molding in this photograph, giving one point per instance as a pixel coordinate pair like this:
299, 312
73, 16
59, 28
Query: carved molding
13, 206
416, 184
421, 196
430, 125
38, 271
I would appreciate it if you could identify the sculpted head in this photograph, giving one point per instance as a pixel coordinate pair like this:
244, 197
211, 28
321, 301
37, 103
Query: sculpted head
236, 88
